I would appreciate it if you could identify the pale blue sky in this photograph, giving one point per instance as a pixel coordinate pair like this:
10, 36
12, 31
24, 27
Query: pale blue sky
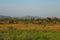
43, 8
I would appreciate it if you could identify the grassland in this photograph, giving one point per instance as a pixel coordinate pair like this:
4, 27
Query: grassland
30, 29
11, 34
29, 32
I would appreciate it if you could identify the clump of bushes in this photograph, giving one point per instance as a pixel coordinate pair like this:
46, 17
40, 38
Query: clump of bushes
39, 21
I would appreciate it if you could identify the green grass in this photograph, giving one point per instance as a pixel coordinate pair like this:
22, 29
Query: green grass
28, 35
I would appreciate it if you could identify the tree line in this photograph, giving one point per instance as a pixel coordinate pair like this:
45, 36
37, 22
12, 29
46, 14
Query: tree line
47, 20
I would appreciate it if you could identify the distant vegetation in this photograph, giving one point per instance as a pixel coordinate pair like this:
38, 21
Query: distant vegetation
47, 20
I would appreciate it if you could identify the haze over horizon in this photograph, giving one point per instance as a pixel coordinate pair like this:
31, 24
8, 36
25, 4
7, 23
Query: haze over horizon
18, 8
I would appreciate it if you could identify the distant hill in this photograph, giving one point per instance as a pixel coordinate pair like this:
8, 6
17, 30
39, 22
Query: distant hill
29, 17
24, 17
3, 16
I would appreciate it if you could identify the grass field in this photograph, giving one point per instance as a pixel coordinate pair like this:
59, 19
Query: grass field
29, 35
31, 27
29, 32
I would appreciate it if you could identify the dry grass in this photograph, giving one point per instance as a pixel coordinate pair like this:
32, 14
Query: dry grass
31, 27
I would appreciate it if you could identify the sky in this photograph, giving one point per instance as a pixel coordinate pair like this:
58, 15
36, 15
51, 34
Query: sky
18, 8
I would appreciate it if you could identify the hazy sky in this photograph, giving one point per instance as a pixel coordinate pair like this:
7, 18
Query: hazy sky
43, 8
